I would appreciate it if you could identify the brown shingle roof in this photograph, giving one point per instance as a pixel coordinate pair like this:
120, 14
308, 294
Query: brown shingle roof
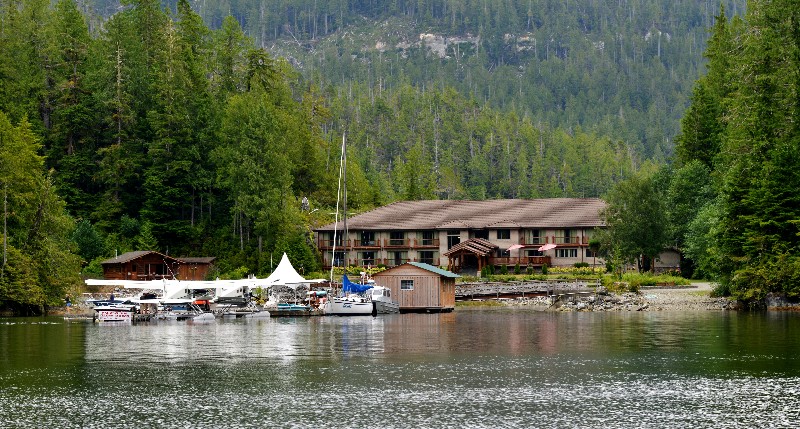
130, 256
197, 259
127, 256
459, 214
477, 246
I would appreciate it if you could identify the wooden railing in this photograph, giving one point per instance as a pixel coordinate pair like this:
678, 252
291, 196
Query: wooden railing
396, 243
533, 240
523, 261
388, 262
328, 244
422, 243
367, 244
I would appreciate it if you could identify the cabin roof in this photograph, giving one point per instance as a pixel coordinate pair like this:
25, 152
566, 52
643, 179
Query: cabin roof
488, 214
424, 266
131, 256
197, 259
477, 246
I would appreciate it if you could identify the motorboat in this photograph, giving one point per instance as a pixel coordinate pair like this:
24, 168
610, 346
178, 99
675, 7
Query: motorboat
234, 309
114, 312
181, 310
382, 300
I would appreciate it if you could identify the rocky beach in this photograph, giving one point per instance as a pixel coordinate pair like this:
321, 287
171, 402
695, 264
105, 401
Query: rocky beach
658, 298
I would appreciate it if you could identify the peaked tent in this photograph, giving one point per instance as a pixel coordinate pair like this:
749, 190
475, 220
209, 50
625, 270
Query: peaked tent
285, 275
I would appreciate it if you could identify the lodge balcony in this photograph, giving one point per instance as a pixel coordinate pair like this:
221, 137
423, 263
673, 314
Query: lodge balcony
328, 244
387, 262
523, 261
386, 243
554, 239
366, 244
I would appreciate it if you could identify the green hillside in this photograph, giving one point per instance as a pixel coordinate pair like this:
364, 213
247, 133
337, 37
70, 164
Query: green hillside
621, 68
173, 129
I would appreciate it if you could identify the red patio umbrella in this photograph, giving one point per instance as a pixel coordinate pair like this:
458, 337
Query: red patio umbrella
547, 247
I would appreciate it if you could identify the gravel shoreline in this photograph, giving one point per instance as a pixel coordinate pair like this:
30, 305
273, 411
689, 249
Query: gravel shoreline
681, 298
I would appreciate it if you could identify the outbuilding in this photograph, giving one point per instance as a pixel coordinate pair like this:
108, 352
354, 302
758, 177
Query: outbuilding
420, 287
150, 265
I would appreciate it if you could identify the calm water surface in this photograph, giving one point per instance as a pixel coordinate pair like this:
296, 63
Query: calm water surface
471, 368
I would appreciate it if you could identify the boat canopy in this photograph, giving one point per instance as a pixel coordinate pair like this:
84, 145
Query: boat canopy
348, 286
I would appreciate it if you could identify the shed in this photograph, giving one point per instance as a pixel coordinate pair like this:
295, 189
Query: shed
150, 265
195, 268
420, 287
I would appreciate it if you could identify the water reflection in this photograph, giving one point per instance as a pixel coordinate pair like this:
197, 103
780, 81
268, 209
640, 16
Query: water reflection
470, 368
281, 339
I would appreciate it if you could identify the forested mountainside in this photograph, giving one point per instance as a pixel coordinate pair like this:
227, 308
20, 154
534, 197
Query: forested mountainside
154, 129
620, 68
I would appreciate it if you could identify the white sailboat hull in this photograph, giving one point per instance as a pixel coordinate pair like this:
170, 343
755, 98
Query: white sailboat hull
344, 307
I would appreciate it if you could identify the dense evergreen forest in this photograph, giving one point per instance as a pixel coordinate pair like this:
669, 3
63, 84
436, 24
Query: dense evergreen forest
619, 68
166, 127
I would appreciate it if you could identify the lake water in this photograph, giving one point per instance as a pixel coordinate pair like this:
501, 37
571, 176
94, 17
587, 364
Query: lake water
470, 368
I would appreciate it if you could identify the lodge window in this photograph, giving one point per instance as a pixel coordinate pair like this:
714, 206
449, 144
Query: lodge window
566, 253
482, 233
453, 238
590, 254
427, 238
367, 238
533, 253
367, 258
406, 284
398, 258
567, 236
338, 259
426, 256
336, 238
397, 238
534, 237
503, 234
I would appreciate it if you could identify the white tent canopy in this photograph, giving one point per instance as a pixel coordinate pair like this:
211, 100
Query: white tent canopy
285, 275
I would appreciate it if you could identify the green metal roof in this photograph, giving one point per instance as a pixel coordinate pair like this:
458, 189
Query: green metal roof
436, 270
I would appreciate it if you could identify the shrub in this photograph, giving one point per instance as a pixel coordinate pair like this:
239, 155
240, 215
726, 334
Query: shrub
581, 264
544, 269
516, 268
504, 269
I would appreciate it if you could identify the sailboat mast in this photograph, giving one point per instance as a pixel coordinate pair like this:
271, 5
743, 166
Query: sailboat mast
344, 193
338, 195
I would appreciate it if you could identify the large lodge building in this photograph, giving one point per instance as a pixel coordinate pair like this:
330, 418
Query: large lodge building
465, 236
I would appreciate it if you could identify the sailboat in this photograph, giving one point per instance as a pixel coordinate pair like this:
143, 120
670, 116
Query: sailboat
353, 299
